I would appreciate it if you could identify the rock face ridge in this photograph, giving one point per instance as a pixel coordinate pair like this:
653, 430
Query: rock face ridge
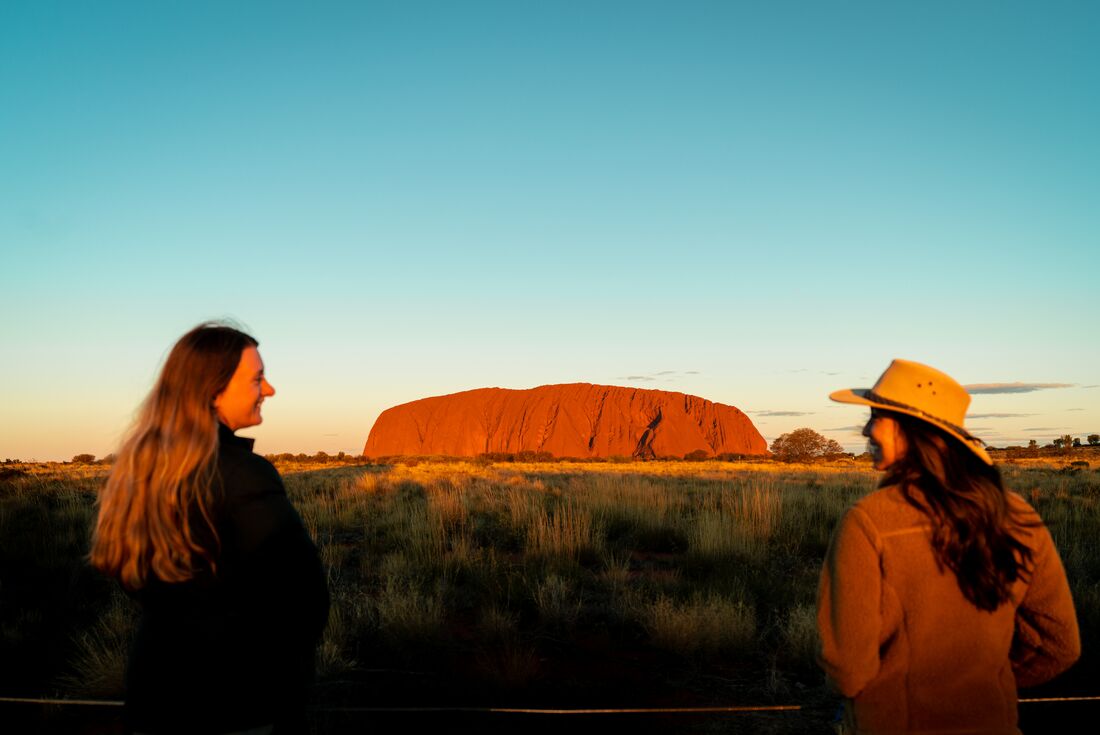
571, 420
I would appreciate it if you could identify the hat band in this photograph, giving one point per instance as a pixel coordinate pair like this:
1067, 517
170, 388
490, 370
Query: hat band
913, 409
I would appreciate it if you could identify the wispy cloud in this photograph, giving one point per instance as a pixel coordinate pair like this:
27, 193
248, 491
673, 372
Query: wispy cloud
1075, 409
977, 388
999, 415
1091, 386
663, 374
781, 413
1046, 428
858, 428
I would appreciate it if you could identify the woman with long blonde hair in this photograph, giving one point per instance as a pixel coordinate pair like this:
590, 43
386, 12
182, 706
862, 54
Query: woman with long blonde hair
200, 531
941, 592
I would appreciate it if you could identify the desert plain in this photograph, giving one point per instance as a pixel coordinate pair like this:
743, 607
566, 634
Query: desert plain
463, 586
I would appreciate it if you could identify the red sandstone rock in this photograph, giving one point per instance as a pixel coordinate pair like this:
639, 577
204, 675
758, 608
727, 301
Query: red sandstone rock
572, 420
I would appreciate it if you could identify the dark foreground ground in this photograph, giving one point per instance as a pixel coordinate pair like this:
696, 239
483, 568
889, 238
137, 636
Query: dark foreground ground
1035, 719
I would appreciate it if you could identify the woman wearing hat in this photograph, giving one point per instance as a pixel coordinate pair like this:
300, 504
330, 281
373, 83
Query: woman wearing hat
941, 592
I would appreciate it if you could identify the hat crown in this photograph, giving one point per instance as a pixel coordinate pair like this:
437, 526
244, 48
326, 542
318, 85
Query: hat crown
918, 390
926, 389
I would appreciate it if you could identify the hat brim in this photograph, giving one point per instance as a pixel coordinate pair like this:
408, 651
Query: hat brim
858, 396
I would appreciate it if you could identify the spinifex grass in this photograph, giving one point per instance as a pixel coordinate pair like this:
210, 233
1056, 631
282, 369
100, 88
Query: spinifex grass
557, 584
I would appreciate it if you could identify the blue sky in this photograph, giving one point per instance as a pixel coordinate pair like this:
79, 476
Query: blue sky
756, 203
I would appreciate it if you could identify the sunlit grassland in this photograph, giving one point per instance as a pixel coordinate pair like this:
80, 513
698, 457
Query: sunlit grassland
556, 584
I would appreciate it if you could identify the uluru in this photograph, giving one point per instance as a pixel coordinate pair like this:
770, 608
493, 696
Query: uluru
571, 420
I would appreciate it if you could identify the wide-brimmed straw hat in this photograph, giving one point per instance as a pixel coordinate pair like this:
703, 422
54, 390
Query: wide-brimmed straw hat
924, 393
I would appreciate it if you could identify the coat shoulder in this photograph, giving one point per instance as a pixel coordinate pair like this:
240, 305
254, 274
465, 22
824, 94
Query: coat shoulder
246, 474
887, 509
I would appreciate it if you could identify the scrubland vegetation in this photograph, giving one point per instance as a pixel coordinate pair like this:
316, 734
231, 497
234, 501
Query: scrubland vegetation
524, 584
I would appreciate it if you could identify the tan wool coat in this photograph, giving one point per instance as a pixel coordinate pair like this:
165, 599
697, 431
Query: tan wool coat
909, 652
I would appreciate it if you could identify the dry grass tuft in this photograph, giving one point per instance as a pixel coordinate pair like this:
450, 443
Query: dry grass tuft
709, 623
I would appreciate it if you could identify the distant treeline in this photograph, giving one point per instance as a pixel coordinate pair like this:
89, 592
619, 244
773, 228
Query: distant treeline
698, 455
318, 458
487, 458
78, 459
1062, 446
1056, 449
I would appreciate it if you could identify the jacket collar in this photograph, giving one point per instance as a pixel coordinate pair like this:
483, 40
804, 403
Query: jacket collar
226, 438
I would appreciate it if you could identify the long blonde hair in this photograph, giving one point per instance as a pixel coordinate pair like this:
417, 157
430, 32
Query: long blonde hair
155, 512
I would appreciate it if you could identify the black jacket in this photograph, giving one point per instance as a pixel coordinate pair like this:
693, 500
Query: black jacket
233, 649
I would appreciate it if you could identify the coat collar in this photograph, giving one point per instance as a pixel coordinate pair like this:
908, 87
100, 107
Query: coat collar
227, 438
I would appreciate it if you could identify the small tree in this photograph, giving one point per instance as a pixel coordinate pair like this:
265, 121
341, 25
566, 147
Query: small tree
1094, 439
84, 459
804, 445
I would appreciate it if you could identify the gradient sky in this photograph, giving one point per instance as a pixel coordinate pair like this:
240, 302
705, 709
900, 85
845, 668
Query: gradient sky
756, 203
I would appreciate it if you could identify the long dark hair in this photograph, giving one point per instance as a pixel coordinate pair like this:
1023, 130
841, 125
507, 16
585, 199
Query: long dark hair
975, 529
155, 511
